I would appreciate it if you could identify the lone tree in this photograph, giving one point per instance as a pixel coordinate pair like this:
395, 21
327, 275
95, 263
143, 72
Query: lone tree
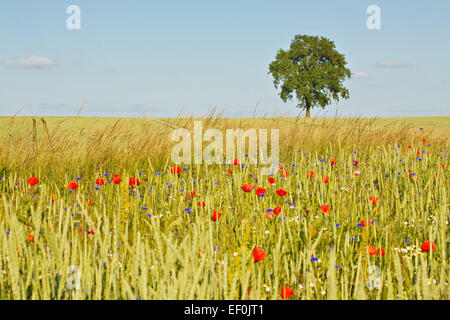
313, 70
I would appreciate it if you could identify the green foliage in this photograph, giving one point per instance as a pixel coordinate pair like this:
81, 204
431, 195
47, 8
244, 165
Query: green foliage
312, 70
146, 245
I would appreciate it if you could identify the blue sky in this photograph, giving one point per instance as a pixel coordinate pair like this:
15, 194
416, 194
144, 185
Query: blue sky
135, 58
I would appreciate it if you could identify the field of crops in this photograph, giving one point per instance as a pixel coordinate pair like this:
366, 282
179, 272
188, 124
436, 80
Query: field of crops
94, 209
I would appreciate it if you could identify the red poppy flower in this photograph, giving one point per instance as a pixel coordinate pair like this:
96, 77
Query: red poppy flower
216, 215
281, 192
325, 208
201, 203
355, 163
332, 161
89, 202
31, 237
428, 245
310, 174
33, 180
410, 147
365, 223
191, 195
53, 198
277, 211
418, 152
260, 191
372, 250
236, 162
91, 232
271, 180
325, 179
247, 187
286, 292
284, 174
176, 170
424, 140
270, 214
374, 200
443, 165
230, 172
134, 182
381, 252
116, 179
258, 254
357, 173
73, 185
100, 182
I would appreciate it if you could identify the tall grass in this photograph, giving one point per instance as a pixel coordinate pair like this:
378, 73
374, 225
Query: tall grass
147, 244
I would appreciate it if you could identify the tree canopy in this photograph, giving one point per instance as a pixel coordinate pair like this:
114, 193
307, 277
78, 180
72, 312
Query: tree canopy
312, 70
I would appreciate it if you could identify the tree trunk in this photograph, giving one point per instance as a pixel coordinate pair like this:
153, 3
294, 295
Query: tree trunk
308, 112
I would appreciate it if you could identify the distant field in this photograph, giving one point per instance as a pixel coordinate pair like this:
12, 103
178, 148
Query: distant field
93, 123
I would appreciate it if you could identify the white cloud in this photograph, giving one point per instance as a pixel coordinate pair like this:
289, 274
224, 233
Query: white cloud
360, 75
393, 64
31, 62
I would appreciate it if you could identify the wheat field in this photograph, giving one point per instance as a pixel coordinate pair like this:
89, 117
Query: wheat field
364, 215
